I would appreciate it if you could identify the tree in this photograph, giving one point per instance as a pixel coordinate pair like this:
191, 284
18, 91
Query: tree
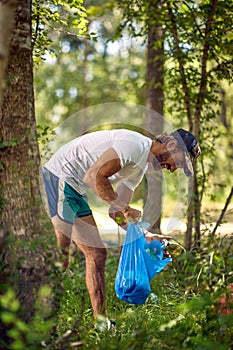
19, 150
25, 265
84, 72
202, 58
154, 103
195, 61
144, 19
20, 167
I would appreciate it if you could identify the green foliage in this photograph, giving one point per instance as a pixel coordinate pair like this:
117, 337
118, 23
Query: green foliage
82, 73
45, 136
15, 333
201, 52
14, 142
198, 57
59, 15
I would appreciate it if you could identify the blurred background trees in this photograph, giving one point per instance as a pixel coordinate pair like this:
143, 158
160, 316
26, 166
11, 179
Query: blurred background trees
174, 57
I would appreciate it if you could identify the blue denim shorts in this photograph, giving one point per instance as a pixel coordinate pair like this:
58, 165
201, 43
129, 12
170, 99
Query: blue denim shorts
63, 200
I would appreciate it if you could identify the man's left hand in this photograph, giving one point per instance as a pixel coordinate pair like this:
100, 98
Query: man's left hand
152, 236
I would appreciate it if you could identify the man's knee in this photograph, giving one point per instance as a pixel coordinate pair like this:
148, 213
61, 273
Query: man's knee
62, 239
97, 255
101, 255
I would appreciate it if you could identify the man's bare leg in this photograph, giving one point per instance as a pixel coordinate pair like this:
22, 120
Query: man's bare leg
63, 234
64, 242
86, 236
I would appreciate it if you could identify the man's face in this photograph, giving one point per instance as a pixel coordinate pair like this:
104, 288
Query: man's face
170, 160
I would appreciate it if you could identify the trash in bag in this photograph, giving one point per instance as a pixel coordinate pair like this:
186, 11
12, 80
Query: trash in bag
140, 261
174, 248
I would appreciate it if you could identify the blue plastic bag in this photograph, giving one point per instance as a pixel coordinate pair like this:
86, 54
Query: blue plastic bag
139, 263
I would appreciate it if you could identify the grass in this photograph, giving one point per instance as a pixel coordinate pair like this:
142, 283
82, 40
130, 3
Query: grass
182, 311
175, 316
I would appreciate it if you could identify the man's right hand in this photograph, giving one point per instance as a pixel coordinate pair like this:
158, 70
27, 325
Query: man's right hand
126, 215
118, 217
131, 214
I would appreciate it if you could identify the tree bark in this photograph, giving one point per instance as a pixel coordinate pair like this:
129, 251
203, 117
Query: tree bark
190, 216
154, 114
19, 149
20, 165
7, 13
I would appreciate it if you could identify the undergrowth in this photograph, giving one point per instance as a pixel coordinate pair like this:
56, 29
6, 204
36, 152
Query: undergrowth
184, 310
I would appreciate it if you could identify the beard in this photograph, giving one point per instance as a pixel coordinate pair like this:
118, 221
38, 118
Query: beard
160, 160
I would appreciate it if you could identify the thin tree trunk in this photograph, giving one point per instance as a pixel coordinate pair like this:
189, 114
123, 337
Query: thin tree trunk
205, 56
222, 214
154, 115
197, 116
197, 211
194, 214
187, 101
190, 216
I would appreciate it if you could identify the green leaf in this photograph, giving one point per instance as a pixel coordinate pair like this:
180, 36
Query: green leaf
8, 317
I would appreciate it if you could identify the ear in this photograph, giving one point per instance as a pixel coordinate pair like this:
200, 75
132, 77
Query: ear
171, 145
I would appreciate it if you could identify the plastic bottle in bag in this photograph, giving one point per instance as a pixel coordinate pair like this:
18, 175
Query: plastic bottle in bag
173, 247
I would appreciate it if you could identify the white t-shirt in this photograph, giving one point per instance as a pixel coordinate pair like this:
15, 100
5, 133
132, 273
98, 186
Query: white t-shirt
71, 162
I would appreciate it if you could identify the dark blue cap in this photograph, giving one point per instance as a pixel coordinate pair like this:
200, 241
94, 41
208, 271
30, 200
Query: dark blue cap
190, 146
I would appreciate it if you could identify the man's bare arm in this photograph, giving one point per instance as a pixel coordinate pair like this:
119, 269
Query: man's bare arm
97, 178
125, 194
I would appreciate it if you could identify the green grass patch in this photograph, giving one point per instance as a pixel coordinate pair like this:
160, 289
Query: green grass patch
182, 311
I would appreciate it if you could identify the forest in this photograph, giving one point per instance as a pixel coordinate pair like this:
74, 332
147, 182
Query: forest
69, 68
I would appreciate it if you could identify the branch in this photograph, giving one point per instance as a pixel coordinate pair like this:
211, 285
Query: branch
222, 213
194, 18
36, 31
181, 65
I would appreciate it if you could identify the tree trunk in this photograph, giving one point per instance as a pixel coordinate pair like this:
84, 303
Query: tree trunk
197, 114
190, 216
155, 104
187, 103
19, 149
197, 211
19, 159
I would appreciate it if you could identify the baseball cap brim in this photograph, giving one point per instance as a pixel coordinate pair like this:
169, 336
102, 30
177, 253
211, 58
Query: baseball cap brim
188, 168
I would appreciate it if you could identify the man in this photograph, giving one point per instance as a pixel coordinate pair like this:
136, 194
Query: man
99, 160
